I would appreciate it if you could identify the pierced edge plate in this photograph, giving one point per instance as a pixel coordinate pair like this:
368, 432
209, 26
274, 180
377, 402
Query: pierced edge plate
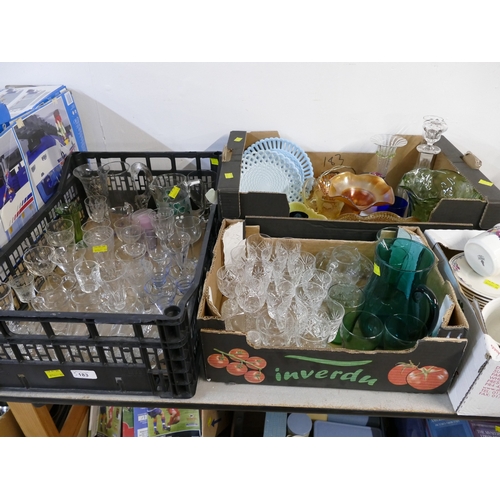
276, 143
271, 162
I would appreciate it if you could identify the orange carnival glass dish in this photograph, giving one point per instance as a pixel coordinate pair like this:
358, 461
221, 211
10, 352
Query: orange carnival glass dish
360, 191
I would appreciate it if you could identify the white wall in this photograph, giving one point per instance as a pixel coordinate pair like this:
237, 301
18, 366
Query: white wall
320, 106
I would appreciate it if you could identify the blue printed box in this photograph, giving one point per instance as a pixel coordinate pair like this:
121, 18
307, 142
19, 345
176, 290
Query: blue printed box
41, 127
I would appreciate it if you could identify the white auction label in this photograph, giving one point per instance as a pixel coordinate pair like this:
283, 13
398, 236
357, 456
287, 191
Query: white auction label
88, 374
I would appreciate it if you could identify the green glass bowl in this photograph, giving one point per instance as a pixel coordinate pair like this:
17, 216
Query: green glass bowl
426, 187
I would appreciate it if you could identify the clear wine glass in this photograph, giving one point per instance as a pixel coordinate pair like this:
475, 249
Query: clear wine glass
60, 233
37, 259
191, 225
162, 220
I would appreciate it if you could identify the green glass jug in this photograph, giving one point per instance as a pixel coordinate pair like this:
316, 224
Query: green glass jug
398, 283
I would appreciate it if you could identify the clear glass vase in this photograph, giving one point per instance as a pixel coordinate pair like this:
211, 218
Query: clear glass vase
386, 150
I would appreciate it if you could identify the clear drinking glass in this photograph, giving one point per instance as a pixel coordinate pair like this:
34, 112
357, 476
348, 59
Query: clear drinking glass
127, 232
37, 259
60, 233
7, 304
199, 183
24, 286
90, 224
66, 258
227, 279
100, 242
97, 207
113, 287
88, 275
161, 291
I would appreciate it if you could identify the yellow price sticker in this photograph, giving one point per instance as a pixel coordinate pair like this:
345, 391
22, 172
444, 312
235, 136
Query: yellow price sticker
174, 192
497, 428
214, 161
229, 175
238, 139
486, 183
54, 373
376, 269
100, 248
492, 284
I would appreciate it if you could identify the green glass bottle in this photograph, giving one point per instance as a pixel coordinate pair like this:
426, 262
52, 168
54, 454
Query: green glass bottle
72, 211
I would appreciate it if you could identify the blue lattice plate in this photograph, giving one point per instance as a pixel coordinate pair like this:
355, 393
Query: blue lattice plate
270, 172
286, 147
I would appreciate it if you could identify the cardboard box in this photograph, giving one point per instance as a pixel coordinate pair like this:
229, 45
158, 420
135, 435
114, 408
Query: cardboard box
335, 368
464, 213
17, 200
476, 388
166, 422
105, 421
43, 128
215, 422
448, 428
127, 421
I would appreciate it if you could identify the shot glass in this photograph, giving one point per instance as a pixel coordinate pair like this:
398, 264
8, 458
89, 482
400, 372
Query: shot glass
361, 331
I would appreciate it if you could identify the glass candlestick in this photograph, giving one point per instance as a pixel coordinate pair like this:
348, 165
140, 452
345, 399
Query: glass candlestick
386, 150
434, 127
425, 160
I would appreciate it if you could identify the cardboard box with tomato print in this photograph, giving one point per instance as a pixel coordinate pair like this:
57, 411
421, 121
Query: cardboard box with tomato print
228, 357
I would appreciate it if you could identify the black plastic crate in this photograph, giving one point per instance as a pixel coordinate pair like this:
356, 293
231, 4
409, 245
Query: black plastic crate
153, 354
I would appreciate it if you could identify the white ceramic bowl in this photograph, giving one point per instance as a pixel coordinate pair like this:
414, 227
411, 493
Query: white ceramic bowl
482, 253
491, 315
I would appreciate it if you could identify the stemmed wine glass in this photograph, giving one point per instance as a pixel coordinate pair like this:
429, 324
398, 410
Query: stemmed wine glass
191, 225
162, 221
60, 233
37, 259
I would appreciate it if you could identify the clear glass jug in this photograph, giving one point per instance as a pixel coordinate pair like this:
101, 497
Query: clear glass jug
118, 181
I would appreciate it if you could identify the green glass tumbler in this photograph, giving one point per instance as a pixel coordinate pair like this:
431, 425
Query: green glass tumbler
361, 331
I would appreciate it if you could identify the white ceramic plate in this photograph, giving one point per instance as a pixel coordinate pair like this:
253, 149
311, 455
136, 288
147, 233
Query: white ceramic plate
481, 287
